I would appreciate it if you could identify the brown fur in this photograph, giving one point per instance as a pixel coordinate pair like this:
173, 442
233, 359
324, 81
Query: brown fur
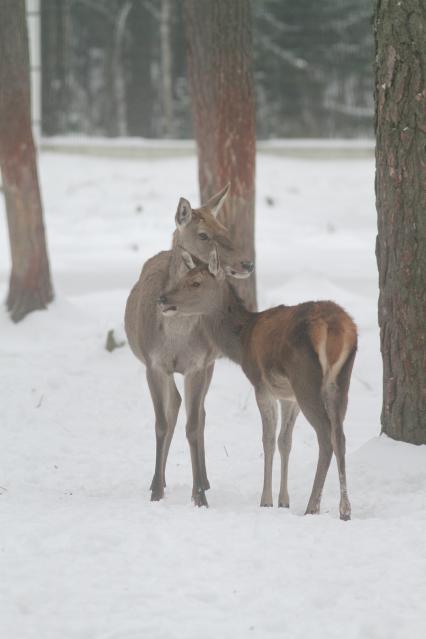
279, 333
168, 345
300, 355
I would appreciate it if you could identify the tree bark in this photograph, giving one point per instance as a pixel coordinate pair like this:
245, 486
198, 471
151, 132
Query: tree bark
221, 79
30, 286
401, 208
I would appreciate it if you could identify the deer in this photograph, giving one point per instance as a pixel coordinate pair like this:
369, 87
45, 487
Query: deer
300, 356
180, 345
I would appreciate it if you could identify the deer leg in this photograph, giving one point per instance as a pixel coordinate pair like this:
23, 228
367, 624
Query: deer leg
324, 459
307, 388
331, 396
159, 384
268, 412
196, 385
174, 402
202, 455
289, 412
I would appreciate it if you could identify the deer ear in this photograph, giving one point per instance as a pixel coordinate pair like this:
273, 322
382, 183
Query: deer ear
183, 213
215, 203
187, 260
214, 262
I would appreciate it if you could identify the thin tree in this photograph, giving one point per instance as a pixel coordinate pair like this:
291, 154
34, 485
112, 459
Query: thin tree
221, 79
401, 208
30, 286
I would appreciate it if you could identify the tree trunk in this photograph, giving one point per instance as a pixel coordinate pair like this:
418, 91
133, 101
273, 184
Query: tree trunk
118, 70
401, 208
221, 79
30, 287
166, 68
56, 66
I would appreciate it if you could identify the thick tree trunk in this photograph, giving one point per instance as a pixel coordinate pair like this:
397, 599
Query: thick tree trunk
30, 287
221, 79
401, 208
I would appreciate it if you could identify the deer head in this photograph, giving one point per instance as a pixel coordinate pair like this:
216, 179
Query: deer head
199, 231
198, 292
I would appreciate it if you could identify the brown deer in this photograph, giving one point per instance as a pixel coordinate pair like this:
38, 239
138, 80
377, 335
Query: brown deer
179, 345
300, 355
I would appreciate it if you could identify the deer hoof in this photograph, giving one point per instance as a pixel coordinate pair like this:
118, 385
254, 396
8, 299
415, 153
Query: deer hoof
283, 504
157, 492
153, 484
199, 498
345, 517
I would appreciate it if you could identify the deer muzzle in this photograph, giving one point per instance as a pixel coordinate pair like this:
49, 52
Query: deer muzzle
166, 307
243, 270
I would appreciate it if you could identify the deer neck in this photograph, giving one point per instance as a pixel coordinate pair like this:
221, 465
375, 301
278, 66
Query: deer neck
231, 325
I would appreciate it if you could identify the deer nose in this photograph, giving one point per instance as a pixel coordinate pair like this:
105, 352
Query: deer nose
162, 299
248, 266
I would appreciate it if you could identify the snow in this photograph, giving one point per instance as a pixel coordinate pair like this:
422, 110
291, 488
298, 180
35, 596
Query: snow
83, 552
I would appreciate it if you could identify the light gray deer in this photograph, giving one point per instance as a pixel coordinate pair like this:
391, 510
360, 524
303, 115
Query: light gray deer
180, 345
300, 355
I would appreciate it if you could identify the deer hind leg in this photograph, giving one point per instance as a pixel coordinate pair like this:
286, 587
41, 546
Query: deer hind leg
268, 412
307, 388
166, 401
324, 459
332, 406
289, 413
196, 386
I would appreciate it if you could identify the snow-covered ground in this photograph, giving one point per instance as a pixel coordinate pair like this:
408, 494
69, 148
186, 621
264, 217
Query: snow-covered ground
83, 552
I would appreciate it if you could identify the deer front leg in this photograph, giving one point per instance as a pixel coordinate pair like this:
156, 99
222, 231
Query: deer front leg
202, 455
196, 386
173, 406
161, 388
268, 412
289, 412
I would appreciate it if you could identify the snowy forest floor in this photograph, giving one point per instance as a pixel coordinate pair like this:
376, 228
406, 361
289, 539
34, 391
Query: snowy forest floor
83, 552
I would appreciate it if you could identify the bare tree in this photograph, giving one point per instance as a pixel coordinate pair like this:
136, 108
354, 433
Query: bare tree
221, 78
401, 208
30, 285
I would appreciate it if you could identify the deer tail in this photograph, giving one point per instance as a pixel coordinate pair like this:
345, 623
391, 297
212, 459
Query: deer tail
333, 343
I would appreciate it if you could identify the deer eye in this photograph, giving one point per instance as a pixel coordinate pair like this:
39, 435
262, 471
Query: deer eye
196, 284
203, 236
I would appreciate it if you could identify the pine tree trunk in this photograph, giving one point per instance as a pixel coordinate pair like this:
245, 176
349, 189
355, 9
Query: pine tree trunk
221, 79
166, 68
55, 52
401, 208
139, 87
30, 287
118, 69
